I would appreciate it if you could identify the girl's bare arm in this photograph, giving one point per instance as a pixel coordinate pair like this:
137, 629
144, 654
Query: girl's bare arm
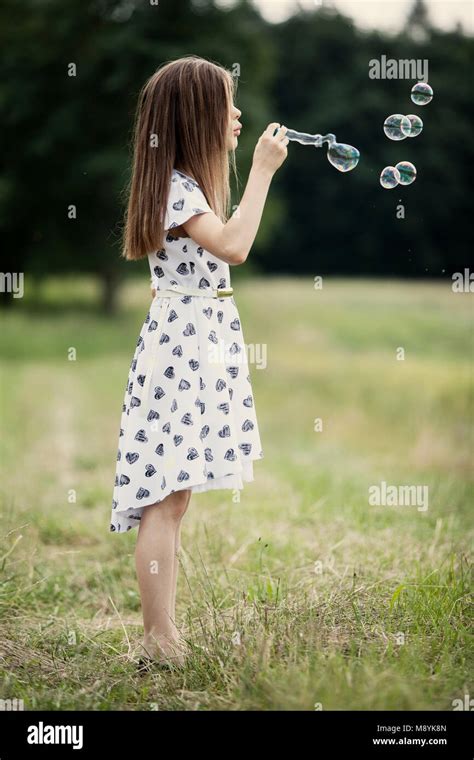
232, 241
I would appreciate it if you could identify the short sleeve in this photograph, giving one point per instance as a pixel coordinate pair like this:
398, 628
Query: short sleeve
185, 200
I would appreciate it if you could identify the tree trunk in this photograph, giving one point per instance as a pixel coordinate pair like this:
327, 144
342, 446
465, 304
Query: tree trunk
110, 289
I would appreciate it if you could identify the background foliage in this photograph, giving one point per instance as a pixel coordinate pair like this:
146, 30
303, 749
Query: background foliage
67, 139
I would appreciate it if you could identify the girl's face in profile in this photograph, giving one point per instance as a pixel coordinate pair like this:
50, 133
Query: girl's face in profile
234, 128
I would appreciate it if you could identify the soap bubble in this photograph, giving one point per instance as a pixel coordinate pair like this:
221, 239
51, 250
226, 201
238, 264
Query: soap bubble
406, 171
397, 126
390, 177
421, 93
343, 157
416, 125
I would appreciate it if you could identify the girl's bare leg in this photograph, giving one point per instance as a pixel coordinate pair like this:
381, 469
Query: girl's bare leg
156, 561
176, 564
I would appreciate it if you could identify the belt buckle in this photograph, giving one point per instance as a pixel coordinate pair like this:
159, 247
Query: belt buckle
223, 292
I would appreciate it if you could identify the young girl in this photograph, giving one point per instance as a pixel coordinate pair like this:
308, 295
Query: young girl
188, 419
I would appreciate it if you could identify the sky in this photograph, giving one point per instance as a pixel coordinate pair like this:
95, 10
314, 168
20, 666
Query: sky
386, 15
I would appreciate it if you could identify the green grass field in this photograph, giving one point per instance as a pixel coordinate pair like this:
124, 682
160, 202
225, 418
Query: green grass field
299, 596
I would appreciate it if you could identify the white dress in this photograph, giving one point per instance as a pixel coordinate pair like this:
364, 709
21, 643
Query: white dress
191, 424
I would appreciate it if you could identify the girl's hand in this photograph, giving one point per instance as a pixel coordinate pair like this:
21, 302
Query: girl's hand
271, 150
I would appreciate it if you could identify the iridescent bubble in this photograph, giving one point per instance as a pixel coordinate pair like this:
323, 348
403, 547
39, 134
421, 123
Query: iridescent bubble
397, 126
343, 157
416, 125
407, 172
421, 93
390, 177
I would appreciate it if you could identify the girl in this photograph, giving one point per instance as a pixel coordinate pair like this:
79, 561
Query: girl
188, 419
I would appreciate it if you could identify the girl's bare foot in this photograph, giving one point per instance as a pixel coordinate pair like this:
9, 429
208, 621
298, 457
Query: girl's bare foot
161, 649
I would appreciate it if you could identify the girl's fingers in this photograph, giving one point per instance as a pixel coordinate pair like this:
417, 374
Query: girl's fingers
271, 128
277, 131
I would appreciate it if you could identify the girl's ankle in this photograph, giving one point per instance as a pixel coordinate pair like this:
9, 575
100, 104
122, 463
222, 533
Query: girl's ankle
159, 643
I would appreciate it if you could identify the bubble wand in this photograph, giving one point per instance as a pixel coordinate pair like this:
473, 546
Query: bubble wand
343, 157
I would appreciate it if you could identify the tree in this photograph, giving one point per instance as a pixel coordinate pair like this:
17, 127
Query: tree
71, 74
418, 26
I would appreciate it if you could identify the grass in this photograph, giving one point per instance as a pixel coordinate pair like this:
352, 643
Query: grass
298, 595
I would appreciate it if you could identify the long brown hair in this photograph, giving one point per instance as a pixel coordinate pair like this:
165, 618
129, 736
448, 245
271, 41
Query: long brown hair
182, 122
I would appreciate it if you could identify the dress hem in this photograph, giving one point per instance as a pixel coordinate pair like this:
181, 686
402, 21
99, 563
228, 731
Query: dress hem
234, 480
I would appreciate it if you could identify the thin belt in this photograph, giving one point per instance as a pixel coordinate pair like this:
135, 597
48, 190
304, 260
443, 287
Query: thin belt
174, 291
178, 290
